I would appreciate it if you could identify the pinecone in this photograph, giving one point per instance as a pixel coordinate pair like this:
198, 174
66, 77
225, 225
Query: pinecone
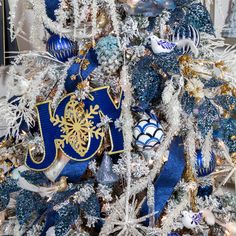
109, 54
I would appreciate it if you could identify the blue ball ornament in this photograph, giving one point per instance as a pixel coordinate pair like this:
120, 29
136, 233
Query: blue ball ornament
200, 168
204, 191
61, 48
148, 133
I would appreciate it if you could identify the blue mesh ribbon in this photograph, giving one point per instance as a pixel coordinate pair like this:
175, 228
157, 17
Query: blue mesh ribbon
168, 178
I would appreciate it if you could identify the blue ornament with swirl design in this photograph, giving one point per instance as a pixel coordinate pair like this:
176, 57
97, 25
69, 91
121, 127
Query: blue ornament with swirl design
199, 165
148, 132
61, 48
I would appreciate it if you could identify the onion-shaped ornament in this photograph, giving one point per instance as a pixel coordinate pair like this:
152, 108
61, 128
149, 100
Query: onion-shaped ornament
148, 133
61, 48
199, 165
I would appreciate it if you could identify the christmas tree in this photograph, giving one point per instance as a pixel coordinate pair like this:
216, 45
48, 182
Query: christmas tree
123, 125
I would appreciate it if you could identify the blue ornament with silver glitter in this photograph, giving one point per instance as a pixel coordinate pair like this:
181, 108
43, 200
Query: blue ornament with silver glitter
200, 167
204, 191
91, 206
147, 83
6, 188
226, 132
186, 32
198, 16
61, 48
66, 216
148, 133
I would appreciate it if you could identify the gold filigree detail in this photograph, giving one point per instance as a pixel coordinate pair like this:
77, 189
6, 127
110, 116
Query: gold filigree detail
82, 85
189, 177
85, 64
77, 126
2, 176
225, 89
82, 52
189, 67
73, 77
78, 60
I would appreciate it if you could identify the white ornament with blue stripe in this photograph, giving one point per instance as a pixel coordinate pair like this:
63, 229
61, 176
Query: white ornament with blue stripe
148, 133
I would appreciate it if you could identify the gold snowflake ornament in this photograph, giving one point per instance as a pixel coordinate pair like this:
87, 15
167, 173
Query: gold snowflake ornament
77, 126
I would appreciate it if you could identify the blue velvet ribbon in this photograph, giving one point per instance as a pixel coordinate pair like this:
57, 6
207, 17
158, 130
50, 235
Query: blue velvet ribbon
73, 171
170, 175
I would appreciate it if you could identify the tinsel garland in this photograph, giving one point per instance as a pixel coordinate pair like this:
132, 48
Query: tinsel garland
127, 129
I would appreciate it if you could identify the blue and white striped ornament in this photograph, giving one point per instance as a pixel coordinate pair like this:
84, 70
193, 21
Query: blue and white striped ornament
61, 48
199, 165
186, 32
148, 133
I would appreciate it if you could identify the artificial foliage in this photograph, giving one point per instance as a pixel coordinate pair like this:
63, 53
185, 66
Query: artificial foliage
123, 125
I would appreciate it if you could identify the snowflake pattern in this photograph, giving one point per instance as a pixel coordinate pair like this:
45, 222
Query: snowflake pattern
77, 126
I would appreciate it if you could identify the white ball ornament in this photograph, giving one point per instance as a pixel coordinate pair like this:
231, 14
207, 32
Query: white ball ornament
148, 133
